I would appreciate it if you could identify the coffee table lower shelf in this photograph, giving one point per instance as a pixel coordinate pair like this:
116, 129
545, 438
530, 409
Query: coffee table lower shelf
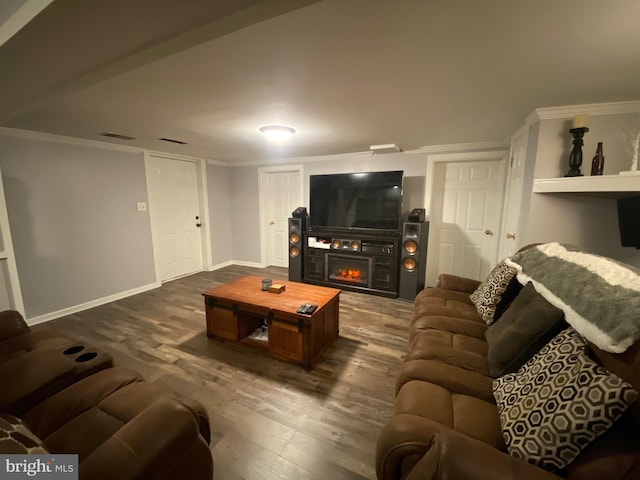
295, 338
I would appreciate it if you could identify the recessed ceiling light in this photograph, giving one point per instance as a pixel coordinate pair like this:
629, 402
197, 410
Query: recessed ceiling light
277, 133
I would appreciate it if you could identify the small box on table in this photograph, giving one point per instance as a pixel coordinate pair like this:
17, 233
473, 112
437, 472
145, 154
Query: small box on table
277, 288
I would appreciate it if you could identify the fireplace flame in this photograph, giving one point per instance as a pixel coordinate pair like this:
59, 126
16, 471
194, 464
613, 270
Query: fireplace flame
349, 274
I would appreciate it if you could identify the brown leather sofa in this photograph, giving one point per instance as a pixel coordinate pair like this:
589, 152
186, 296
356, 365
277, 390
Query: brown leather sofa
71, 397
445, 422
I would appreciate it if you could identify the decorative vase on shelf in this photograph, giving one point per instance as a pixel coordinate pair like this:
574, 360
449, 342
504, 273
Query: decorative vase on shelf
631, 138
597, 164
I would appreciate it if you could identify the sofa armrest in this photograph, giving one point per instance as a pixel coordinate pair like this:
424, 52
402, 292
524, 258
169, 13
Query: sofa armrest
31, 377
454, 282
452, 455
163, 441
12, 325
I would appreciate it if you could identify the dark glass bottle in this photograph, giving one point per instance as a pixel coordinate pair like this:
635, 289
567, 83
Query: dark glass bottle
597, 164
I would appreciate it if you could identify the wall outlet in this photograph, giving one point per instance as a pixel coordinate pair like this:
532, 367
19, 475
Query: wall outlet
142, 206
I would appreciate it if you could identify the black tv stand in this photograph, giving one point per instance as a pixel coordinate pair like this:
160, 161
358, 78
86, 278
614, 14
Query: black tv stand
352, 260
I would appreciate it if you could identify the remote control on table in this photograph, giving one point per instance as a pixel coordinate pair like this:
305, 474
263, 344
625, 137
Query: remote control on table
307, 308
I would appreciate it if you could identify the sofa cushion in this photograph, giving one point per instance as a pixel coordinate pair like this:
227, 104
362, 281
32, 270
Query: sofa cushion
460, 326
559, 402
451, 377
16, 438
452, 302
489, 293
463, 413
529, 324
459, 350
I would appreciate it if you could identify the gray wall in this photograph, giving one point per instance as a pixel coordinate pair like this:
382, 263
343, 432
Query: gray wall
588, 222
245, 221
219, 214
76, 231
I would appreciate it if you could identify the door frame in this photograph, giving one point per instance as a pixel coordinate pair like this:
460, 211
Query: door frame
8, 255
444, 158
203, 204
523, 135
263, 189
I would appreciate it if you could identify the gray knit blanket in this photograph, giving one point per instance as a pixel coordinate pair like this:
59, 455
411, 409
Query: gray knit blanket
599, 296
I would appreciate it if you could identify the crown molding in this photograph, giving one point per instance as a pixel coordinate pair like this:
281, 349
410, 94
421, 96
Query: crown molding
174, 156
217, 163
52, 137
454, 147
460, 147
290, 160
593, 109
468, 156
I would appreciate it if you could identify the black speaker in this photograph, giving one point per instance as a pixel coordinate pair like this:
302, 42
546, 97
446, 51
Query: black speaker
417, 215
350, 244
297, 226
413, 259
300, 212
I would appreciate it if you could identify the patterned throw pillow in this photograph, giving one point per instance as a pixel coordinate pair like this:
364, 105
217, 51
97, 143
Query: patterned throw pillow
16, 438
488, 294
558, 403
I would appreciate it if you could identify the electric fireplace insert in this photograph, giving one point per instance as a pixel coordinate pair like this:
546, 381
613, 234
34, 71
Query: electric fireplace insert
348, 270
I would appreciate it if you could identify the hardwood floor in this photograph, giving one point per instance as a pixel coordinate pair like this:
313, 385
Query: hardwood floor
270, 419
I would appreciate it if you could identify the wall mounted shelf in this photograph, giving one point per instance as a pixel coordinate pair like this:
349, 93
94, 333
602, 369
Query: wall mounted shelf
601, 186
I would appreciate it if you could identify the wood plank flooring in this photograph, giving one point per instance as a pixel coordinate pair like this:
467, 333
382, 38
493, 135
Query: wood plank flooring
269, 419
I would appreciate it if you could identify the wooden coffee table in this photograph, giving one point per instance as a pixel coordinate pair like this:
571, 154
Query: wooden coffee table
236, 310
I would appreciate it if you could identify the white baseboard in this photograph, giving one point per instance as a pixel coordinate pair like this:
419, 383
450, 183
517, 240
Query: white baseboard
93, 303
220, 265
236, 262
249, 264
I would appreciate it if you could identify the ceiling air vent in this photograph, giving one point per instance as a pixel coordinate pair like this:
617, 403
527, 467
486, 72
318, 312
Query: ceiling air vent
116, 135
171, 140
386, 148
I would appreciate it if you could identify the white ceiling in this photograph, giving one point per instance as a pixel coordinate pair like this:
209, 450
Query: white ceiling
346, 74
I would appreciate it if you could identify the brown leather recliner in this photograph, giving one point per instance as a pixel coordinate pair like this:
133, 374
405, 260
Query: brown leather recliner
71, 397
35, 365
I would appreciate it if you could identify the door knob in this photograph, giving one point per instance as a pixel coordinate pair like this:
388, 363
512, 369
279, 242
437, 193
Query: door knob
272, 222
488, 232
511, 236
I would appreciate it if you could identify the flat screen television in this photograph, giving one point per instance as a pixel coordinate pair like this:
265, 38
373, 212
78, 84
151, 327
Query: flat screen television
629, 221
356, 201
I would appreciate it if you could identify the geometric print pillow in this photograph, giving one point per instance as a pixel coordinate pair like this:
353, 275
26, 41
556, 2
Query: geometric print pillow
16, 438
558, 403
488, 294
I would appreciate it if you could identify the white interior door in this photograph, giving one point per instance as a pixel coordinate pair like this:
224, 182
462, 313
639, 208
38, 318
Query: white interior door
510, 237
466, 214
175, 216
283, 197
